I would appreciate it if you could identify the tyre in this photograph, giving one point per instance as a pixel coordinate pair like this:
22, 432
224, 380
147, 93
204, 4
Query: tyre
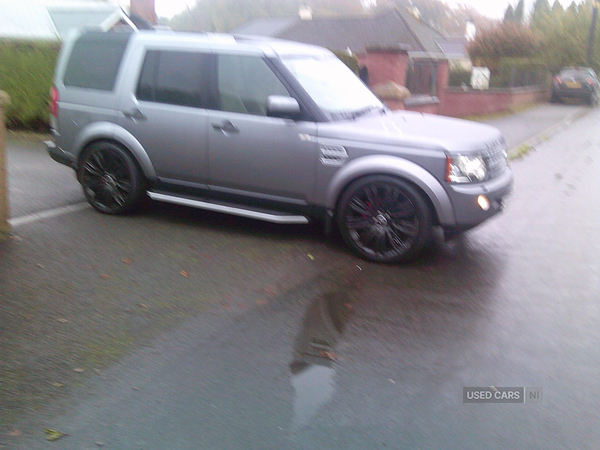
111, 180
384, 219
554, 98
593, 99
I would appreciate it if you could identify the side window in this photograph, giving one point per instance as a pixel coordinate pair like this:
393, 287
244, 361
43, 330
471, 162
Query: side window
176, 78
245, 82
95, 60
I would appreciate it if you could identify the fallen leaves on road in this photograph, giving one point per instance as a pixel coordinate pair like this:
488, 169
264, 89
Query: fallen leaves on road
311, 257
183, 273
79, 370
329, 355
127, 261
262, 302
53, 435
61, 320
14, 432
104, 276
57, 384
41, 266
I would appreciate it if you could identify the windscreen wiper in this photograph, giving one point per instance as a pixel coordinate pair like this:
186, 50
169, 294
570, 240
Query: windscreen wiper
368, 109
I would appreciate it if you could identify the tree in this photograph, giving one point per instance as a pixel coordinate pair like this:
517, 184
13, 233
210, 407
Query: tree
520, 12
509, 15
541, 13
557, 8
564, 37
503, 41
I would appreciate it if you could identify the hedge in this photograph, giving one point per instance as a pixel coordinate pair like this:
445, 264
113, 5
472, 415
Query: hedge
26, 71
520, 72
459, 77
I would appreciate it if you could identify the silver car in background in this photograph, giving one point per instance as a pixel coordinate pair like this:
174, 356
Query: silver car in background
267, 129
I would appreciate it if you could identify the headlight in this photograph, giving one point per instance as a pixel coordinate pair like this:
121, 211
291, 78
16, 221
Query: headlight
465, 168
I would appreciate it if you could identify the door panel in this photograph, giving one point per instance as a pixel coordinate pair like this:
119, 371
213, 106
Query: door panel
263, 154
167, 114
250, 151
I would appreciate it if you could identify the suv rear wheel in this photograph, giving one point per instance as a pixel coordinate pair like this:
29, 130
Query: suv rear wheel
111, 180
384, 219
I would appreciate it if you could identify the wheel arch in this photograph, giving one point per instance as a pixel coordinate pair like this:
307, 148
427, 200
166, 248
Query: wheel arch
433, 192
106, 131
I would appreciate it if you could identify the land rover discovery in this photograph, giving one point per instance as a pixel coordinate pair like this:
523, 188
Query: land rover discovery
266, 129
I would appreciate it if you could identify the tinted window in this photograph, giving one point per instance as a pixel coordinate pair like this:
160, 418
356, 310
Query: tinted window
577, 73
245, 82
95, 60
171, 77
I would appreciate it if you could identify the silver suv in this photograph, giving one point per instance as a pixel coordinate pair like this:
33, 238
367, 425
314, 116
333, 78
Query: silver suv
267, 129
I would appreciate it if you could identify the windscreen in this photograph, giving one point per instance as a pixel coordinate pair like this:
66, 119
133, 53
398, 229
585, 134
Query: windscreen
333, 86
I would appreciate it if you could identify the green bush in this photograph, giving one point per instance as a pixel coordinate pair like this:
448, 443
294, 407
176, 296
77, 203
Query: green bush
26, 71
519, 72
457, 77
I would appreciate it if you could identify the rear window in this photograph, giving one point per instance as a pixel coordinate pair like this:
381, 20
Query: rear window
577, 73
95, 60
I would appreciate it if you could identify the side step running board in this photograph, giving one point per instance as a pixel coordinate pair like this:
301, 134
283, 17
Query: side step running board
237, 211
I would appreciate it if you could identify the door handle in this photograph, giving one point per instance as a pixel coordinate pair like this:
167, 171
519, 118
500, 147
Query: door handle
135, 114
226, 127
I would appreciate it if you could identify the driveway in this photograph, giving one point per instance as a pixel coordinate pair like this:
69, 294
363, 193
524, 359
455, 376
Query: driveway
183, 329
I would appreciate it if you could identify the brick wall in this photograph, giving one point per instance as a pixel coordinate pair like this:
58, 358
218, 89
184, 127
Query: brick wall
385, 64
460, 103
390, 64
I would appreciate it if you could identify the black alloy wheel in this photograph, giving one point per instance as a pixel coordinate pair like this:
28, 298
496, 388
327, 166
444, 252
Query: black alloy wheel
594, 98
384, 219
110, 177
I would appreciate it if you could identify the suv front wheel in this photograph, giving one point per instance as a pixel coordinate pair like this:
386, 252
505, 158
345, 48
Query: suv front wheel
384, 219
111, 180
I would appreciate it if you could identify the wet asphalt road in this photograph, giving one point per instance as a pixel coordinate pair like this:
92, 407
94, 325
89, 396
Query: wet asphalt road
314, 349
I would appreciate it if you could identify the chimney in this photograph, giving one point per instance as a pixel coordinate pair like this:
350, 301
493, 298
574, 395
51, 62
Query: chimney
305, 12
145, 9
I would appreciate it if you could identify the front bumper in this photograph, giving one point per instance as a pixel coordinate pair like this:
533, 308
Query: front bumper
59, 155
464, 197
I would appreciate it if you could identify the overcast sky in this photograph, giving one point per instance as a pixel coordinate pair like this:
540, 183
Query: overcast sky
491, 8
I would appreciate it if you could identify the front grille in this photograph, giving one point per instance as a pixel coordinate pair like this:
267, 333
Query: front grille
495, 157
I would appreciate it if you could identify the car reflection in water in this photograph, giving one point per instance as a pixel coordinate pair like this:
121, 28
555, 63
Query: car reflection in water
313, 367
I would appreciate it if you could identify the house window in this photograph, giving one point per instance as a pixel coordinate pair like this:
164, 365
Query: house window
421, 77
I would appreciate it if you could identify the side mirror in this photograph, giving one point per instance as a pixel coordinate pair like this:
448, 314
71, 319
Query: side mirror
281, 106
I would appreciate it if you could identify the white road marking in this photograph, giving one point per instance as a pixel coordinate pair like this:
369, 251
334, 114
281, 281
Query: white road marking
35, 217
